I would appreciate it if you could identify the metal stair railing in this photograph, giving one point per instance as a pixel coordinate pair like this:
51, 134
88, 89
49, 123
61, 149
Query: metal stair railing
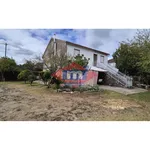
119, 76
117, 79
113, 71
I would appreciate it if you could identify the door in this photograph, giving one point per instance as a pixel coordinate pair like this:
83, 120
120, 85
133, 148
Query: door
95, 59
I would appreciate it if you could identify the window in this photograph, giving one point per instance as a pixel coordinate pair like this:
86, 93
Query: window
95, 59
76, 52
102, 59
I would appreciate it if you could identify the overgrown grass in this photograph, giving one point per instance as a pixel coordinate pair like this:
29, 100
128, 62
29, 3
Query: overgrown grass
145, 96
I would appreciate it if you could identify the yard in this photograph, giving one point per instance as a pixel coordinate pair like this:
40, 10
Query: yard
22, 102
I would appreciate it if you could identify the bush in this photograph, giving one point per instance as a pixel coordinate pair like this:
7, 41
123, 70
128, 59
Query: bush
23, 75
31, 78
94, 88
45, 76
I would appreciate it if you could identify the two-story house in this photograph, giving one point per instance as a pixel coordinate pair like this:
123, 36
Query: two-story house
98, 61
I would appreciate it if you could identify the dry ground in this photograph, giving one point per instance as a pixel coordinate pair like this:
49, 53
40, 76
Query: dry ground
20, 101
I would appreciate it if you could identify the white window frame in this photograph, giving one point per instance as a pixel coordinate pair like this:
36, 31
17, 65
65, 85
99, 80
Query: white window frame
102, 58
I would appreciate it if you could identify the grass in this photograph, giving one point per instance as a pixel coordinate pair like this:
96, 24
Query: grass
133, 114
145, 96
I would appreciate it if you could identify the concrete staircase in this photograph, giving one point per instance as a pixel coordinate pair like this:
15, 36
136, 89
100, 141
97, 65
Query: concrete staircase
114, 73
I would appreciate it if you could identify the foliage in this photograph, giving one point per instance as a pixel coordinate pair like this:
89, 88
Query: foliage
94, 88
45, 76
32, 65
31, 78
57, 81
23, 75
57, 61
127, 57
7, 64
133, 57
81, 60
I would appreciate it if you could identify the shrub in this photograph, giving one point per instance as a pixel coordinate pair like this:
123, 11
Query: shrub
45, 76
23, 75
94, 88
31, 78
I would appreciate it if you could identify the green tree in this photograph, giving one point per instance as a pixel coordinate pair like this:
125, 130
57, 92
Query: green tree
133, 57
127, 57
7, 64
23, 75
81, 60
31, 78
45, 76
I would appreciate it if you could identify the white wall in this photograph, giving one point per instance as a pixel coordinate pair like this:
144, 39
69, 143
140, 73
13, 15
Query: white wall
87, 53
112, 64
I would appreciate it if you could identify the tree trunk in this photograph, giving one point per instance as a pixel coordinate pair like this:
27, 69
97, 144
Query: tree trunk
3, 78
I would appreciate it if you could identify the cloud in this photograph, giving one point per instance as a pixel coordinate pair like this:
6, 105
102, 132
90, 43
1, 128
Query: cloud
26, 44
107, 39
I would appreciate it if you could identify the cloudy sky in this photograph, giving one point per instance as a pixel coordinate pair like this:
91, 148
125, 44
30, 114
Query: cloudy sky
26, 44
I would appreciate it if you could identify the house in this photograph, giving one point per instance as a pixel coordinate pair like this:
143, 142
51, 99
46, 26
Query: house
98, 62
112, 62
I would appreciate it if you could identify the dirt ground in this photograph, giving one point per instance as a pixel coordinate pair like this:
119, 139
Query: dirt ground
20, 102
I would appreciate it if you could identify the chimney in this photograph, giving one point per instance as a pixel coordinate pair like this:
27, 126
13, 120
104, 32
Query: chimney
54, 38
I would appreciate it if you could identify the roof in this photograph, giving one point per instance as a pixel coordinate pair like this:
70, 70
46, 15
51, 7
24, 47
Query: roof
87, 48
78, 45
111, 60
72, 66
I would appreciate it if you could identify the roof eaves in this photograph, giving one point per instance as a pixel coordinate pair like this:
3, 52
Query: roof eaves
87, 48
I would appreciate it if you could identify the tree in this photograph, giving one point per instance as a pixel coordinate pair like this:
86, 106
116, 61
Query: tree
23, 75
7, 64
127, 57
57, 61
45, 76
133, 57
31, 78
81, 60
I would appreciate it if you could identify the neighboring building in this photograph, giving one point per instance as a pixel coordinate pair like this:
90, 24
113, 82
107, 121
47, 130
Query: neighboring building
112, 62
98, 61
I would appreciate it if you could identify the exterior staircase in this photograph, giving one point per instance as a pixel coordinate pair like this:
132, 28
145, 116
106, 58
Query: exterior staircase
114, 73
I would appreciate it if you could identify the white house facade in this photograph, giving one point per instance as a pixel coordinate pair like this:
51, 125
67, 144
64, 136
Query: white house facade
98, 60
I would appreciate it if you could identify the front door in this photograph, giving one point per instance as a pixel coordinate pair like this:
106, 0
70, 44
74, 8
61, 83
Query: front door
95, 59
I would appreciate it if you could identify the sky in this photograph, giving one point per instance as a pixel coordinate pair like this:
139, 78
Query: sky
28, 43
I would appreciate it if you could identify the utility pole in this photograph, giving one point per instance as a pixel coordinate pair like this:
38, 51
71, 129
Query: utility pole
5, 49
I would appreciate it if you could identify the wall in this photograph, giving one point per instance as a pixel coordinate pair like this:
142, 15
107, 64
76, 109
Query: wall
60, 48
89, 77
87, 53
112, 64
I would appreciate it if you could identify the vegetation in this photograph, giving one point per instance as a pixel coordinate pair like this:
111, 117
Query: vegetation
58, 61
7, 64
133, 57
94, 88
23, 75
31, 78
81, 60
45, 76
